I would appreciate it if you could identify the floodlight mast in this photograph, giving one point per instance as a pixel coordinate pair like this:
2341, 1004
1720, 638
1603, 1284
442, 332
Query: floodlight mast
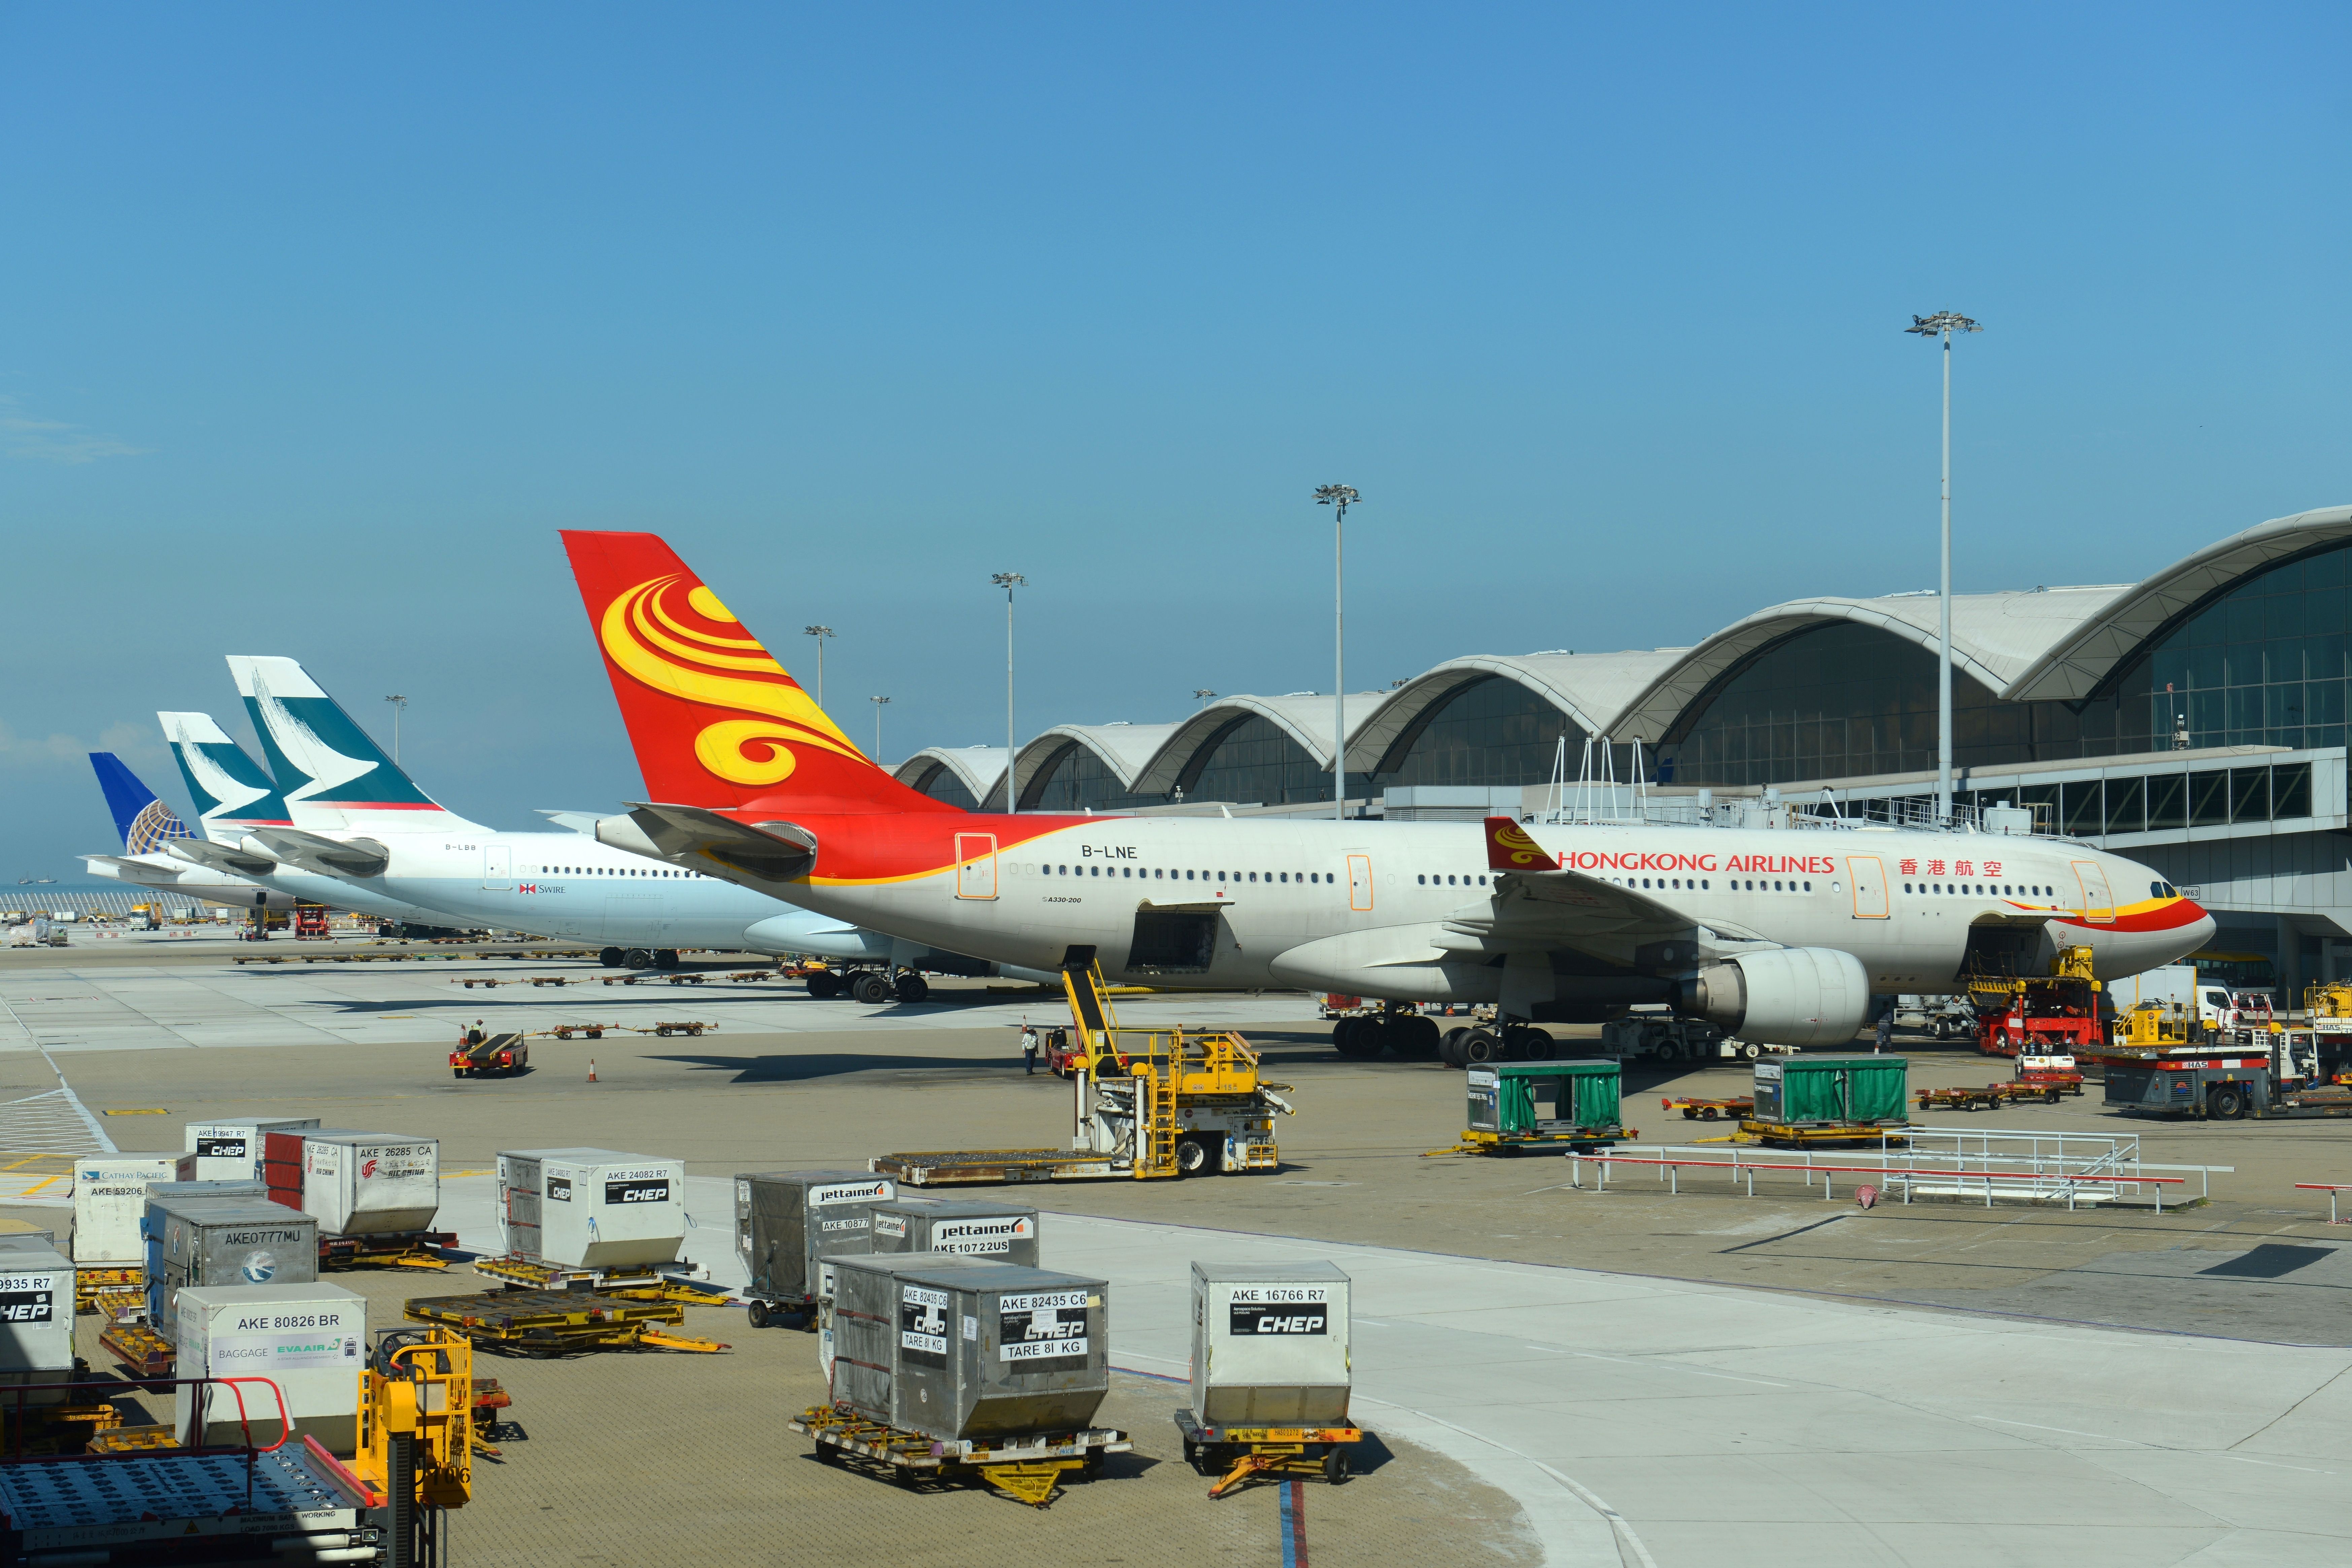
1008, 581
879, 703
820, 633
1942, 325
1338, 498
399, 706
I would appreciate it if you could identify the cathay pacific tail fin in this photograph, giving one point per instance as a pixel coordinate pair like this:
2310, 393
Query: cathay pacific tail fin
334, 776
231, 792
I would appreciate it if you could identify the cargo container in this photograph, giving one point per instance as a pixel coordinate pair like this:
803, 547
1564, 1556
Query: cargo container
975, 1350
828, 1341
37, 1314
309, 1340
230, 1149
1570, 1102
224, 1240
1003, 1233
787, 1220
1808, 1091
591, 1208
110, 1198
1270, 1344
354, 1183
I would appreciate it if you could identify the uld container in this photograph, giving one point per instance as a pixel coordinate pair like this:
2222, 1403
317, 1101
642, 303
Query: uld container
787, 1220
37, 1312
591, 1208
970, 1227
970, 1351
355, 1183
230, 1149
180, 1198
1822, 1092
828, 1342
309, 1340
109, 1196
1545, 1100
1270, 1344
226, 1241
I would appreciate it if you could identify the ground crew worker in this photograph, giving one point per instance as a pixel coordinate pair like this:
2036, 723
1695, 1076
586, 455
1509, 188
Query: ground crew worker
474, 1035
1028, 1050
1885, 1031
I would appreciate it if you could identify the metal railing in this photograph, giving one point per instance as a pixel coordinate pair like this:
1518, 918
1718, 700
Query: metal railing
2331, 1189
1669, 1172
1991, 1163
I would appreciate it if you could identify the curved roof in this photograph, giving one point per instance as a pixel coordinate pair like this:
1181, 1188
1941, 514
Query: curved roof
979, 768
1591, 688
1124, 749
1996, 638
1305, 717
2072, 666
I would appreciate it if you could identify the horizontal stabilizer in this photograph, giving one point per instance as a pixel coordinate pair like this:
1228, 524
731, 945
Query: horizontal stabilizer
237, 862
705, 841
329, 856
583, 822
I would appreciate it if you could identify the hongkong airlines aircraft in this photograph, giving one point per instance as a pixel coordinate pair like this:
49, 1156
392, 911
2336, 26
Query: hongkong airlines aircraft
1777, 935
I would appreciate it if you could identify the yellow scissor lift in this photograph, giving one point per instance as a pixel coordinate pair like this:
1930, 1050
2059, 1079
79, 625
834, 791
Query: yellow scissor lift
1150, 1104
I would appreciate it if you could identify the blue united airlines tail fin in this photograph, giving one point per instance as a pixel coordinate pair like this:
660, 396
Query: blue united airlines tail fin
333, 775
144, 821
231, 792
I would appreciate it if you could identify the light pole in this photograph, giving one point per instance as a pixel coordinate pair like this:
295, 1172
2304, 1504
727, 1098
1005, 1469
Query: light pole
398, 703
820, 633
1008, 581
1942, 325
880, 703
1338, 498
1204, 694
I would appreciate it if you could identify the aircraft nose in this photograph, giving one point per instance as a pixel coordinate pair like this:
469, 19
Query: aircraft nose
2200, 933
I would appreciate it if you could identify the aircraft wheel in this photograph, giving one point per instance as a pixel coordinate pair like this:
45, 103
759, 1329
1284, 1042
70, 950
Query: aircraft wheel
1414, 1038
1535, 1046
824, 985
610, 958
1449, 1046
913, 988
637, 958
1357, 1037
1480, 1047
666, 958
871, 988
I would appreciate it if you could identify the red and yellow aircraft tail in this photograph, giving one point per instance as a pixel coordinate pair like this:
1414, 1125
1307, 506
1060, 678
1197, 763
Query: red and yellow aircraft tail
716, 721
1511, 848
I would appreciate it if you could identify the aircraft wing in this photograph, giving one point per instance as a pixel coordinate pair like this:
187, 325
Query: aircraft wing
1538, 906
701, 840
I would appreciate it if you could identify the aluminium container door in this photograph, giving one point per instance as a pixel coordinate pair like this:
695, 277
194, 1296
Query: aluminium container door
975, 865
522, 1215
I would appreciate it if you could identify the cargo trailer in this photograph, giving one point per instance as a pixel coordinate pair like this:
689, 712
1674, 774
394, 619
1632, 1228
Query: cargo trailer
1003, 1233
110, 1197
785, 1221
1810, 1099
593, 1209
309, 1340
1544, 1106
36, 1313
1272, 1372
231, 1149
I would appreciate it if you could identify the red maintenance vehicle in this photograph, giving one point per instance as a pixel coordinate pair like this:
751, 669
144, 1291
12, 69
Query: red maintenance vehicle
478, 1054
2053, 1014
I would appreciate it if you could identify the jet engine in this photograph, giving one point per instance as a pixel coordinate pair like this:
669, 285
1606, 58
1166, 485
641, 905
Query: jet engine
1784, 996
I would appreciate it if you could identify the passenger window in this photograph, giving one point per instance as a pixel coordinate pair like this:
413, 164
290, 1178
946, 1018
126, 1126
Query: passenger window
1283, 877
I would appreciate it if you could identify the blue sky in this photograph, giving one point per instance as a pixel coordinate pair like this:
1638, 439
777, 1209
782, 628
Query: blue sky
322, 322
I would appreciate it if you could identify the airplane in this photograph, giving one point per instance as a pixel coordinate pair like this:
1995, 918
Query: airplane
147, 826
351, 814
1776, 936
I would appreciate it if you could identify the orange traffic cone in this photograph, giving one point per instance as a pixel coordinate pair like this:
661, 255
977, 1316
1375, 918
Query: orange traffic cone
592, 1069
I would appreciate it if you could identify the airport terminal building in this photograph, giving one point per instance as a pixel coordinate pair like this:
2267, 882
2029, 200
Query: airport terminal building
2195, 721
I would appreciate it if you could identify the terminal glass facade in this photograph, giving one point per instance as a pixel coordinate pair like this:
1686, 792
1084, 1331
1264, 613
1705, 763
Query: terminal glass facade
1075, 778
1488, 730
940, 783
1252, 762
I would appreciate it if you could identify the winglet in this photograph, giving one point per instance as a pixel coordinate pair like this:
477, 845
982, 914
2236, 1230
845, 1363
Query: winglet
1509, 848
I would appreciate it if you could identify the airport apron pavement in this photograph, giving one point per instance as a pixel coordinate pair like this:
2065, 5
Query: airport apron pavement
1643, 1421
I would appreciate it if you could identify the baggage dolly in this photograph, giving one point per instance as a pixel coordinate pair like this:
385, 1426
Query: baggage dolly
1028, 1467
1246, 1451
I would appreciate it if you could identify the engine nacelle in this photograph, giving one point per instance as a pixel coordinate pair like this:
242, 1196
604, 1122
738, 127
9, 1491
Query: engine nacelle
1787, 996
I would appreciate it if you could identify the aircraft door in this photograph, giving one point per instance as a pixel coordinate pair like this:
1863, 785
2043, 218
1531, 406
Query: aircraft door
1869, 873
2098, 903
498, 872
1360, 881
975, 865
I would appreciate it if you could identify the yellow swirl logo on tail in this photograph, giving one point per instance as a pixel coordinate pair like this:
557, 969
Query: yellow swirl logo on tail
1511, 848
670, 653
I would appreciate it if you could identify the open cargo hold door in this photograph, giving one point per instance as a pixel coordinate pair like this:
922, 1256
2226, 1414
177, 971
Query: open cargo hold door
1869, 874
1178, 941
975, 865
2098, 903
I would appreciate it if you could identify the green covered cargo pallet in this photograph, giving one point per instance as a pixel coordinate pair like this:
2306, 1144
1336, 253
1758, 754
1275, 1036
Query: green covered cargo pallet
1832, 1091
1516, 1104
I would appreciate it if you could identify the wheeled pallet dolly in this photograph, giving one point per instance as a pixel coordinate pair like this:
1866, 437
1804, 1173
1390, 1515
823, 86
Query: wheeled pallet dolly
633, 1284
1028, 1467
545, 1323
1246, 1451
97, 1287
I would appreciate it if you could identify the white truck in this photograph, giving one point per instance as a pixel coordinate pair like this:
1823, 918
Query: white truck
2216, 1007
